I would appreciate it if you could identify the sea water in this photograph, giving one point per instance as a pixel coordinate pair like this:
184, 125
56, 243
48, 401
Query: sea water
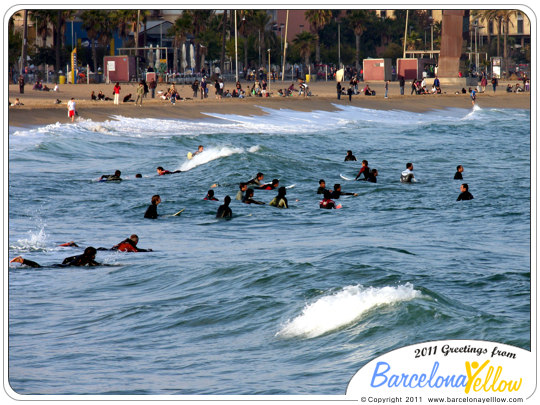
273, 301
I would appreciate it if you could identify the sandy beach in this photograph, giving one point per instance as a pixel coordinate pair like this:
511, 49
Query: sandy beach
40, 107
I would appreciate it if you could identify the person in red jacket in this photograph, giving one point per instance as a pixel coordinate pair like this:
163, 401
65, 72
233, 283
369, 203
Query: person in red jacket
129, 245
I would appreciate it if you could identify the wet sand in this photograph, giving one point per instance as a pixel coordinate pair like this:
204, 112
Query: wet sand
40, 107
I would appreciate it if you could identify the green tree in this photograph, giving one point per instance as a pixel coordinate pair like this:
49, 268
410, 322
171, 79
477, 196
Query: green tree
358, 20
318, 19
99, 27
180, 30
304, 41
260, 21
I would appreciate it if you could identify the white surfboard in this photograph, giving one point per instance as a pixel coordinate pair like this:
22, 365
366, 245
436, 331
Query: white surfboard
291, 186
345, 177
178, 213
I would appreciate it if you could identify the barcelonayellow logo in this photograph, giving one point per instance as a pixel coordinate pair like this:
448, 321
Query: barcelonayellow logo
453, 367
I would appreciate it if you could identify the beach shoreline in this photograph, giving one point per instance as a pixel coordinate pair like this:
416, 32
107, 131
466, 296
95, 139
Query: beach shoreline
40, 108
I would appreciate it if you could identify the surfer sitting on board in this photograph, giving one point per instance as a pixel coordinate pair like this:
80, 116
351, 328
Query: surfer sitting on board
129, 245
151, 211
258, 179
338, 193
224, 211
269, 186
86, 259
161, 171
363, 170
248, 198
111, 177
210, 196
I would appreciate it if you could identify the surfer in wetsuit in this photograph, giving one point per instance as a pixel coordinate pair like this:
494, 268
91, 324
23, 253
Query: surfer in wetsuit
111, 177
269, 186
350, 157
458, 175
129, 245
86, 259
407, 175
322, 187
327, 201
161, 171
210, 196
338, 193
372, 178
280, 200
363, 170
241, 192
248, 198
151, 211
257, 180
224, 211
465, 194
199, 150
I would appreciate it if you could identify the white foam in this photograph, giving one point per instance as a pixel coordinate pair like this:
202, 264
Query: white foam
345, 307
35, 241
210, 154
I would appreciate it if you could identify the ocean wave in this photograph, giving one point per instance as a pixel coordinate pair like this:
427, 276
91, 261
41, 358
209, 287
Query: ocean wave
210, 154
342, 308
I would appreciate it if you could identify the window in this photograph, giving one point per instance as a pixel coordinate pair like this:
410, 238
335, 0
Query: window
520, 23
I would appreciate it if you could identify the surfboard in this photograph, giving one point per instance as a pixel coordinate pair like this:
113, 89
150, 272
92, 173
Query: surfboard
291, 186
178, 213
189, 155
345, 177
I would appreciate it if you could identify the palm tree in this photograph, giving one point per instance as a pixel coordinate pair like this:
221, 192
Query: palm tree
25, 41
260, 21
99, 27
43, 19
318, 20
199, 20
488, 16
245, 29
358, 20
180, 30
59, 21
505, 16
223, 39
304, 41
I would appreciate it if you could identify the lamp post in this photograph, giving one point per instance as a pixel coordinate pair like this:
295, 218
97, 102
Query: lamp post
236, 45
268, 84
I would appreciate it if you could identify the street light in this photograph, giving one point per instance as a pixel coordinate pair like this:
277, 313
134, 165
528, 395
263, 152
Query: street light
268, 84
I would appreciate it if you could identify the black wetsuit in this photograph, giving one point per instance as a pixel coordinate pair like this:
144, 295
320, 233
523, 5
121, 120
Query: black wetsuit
350, 158
372, 178
110, 177
365, 171
224, 212
80, 260
337, 194
458, 176
321, 190
465, 196
151, 212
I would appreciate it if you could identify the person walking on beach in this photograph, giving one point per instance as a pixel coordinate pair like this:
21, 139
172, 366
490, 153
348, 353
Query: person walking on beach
116, 92
140, 94
71, 109
21, 84
494, 83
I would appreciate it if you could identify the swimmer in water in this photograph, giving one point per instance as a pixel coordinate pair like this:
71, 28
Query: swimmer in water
363, 170
257, 180
407, 175
210, 196
241, 192
458, 175
161, 171
280, 200
248, 198
111, 177
86, 259
224, 211
199, 150
350, 157
464, 195
129, 245
269, 186
322, 187
151, 211
338, 193
372, 178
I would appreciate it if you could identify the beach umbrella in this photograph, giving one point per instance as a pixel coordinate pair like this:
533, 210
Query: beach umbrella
192, 56
184, 62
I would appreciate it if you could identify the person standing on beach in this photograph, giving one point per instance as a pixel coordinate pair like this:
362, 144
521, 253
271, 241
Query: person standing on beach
401, 85
140, 94
338, 88
494, 83
116, 92
386, 89
203, 88
152, 87
21, 84
71, 109
473, 96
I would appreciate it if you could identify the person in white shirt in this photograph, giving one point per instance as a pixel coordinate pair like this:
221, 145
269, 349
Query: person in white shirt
407, 176
71, 109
